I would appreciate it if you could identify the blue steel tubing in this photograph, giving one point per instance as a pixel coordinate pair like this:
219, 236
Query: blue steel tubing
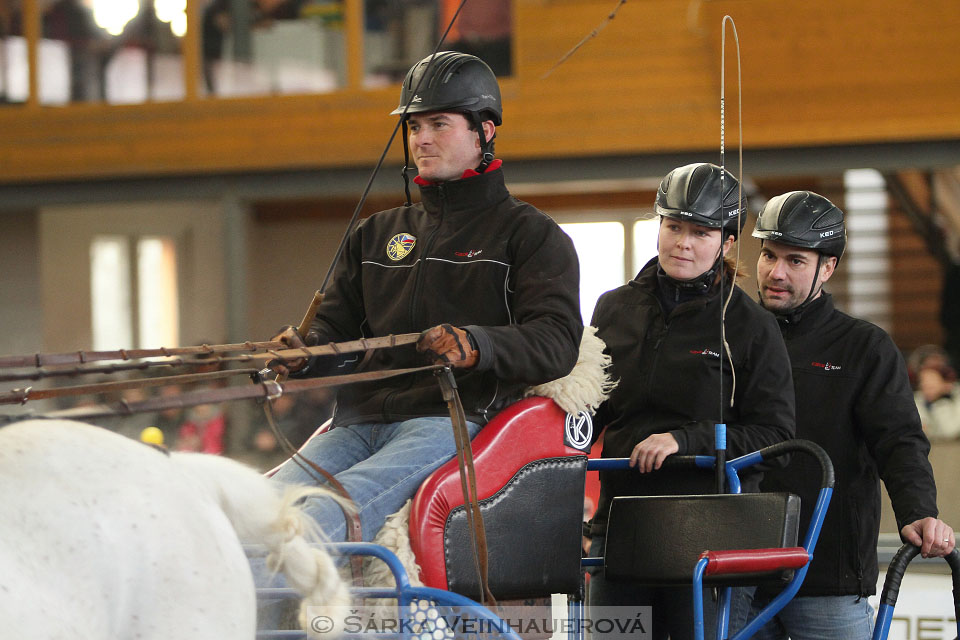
575, 612
698, 571
449, 599
672, 462
881, 627
810, 538
723, 606
733, 480
816, 520
891, 588
723, 612
775, 605
954, 561
404, 593
377, 551
745, 461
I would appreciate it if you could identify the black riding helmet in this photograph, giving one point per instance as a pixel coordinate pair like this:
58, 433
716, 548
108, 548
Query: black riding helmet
807, 220
452, 81
803, 219
693, 193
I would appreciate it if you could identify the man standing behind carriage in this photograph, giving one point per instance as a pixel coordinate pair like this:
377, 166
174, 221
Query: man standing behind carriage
493, 281
854, 400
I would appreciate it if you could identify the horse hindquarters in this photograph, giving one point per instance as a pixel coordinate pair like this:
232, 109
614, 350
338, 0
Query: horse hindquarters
259, 515
104, 538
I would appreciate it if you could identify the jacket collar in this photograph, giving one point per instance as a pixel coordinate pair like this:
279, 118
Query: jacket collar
469, 173
469, 195
668, 296
814, 316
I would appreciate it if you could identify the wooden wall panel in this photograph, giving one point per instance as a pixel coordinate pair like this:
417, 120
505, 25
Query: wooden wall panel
814, 72
916, 281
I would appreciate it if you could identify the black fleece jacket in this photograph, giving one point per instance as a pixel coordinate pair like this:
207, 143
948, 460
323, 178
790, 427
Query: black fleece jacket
855, 401
669, 368
471, 255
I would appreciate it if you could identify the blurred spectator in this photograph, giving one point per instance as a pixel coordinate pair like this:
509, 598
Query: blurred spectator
482, 29
205, 426
10, 25
71, 22
169, 420
937, 392
203, 430
219, 21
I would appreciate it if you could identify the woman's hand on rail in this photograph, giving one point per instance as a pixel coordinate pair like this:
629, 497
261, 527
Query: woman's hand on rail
650, 453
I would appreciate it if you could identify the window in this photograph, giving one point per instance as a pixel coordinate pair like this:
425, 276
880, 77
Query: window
611, 252
133, 288
600, 247
273, 47
867, 255
110, 293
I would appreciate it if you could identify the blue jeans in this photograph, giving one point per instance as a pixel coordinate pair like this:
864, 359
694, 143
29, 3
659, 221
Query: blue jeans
811, 618
380, 465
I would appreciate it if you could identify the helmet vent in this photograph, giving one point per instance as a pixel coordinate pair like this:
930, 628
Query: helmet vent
831, 218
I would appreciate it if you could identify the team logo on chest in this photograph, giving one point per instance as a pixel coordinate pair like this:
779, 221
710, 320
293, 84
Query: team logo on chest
706, 352
400, 245
827, 366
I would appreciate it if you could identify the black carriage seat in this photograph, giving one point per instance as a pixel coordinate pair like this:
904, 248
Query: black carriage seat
657, 540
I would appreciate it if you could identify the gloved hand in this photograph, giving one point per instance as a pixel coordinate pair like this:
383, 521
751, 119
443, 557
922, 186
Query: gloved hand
446, 344
291, 338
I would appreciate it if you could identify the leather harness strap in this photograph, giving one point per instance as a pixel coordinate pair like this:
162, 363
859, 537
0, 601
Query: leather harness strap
22, 396
468, 482
271, 389
260, 351
350, 514
267, 389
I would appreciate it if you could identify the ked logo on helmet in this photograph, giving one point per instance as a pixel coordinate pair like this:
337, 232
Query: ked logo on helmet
400, 245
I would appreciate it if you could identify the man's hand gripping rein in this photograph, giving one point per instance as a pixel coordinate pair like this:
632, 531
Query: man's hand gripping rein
446, 344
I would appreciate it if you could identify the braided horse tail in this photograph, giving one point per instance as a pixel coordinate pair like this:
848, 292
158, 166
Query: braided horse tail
261, 514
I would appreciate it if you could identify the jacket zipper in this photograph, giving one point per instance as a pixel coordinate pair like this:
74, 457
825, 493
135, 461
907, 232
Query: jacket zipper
418, 285
388, 401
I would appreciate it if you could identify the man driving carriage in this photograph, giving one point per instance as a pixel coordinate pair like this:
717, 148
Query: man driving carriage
495, 278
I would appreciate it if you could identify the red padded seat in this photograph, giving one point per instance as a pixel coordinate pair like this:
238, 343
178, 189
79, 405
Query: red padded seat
530, 486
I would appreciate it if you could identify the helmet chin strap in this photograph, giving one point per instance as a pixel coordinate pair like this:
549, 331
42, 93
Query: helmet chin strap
702, 282
406, 164
486, 156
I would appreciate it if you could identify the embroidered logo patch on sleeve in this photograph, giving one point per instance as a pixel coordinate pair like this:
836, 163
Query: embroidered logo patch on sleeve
400, 245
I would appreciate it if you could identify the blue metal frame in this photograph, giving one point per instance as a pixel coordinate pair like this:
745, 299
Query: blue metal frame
404, 592
891, 588
732, 469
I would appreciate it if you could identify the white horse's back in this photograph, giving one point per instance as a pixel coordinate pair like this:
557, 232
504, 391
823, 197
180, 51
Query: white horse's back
103, 537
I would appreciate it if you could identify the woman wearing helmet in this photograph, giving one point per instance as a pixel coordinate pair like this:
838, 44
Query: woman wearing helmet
663, 332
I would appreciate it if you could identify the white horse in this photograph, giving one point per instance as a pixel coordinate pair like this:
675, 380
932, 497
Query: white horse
103, 537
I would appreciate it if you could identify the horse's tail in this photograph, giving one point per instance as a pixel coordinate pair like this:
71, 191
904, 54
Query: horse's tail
261, 515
